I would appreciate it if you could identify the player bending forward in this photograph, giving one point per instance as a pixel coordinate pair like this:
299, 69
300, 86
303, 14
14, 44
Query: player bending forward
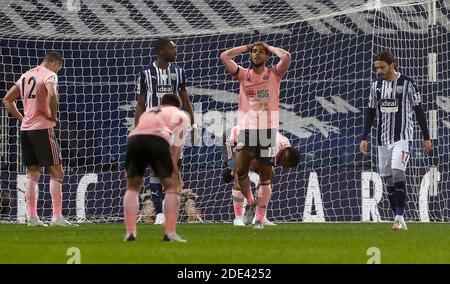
156, 141
286, 156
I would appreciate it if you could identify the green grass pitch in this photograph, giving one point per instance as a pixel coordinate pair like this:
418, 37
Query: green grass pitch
223, 243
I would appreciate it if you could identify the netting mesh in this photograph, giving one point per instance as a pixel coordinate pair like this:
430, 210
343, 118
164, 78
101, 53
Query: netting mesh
105, 44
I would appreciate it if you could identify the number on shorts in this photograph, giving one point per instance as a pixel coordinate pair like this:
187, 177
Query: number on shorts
405, 156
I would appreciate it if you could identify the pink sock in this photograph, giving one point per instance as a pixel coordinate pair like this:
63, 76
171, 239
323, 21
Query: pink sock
171, 209
238, 202
31, 196
56, 193
257, 207
264, 194
248, 194
130, 209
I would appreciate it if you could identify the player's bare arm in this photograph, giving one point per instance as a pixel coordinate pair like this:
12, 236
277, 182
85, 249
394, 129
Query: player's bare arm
228, 55
187, 106
285, 59
9, 101
176, 154
53, 100
140, 108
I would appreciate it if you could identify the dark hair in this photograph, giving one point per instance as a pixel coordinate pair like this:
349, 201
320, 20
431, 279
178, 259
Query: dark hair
53, 56
171, 100
160, 43
293, 156
265, 49
385, 56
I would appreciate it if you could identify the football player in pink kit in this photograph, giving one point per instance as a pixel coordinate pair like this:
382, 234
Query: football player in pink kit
286, 156
38, 89
258, 117
157, 141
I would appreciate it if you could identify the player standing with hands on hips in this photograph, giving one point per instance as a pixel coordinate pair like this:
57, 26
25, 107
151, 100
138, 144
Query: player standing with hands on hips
38, 89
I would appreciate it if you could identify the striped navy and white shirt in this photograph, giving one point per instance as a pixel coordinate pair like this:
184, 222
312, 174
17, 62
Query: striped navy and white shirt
155, 82
395, 102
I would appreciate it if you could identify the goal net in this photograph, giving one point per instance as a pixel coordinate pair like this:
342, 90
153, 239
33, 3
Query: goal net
105, 45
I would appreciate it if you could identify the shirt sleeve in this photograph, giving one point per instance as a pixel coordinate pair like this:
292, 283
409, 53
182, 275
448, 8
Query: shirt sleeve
18, 84
52, 78
369, 118
186, 121
179, 132
414, 94
422, 120
141, 86
282, 142
240, 73
275, 72
183, 79
373, 99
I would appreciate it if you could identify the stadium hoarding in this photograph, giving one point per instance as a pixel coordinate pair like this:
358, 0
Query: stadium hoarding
328, 195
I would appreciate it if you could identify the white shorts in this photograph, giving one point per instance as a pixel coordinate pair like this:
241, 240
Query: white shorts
393, 156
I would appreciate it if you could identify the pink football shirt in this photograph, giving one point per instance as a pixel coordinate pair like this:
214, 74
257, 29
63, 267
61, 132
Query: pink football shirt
259, 98
167, 122
32, 87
